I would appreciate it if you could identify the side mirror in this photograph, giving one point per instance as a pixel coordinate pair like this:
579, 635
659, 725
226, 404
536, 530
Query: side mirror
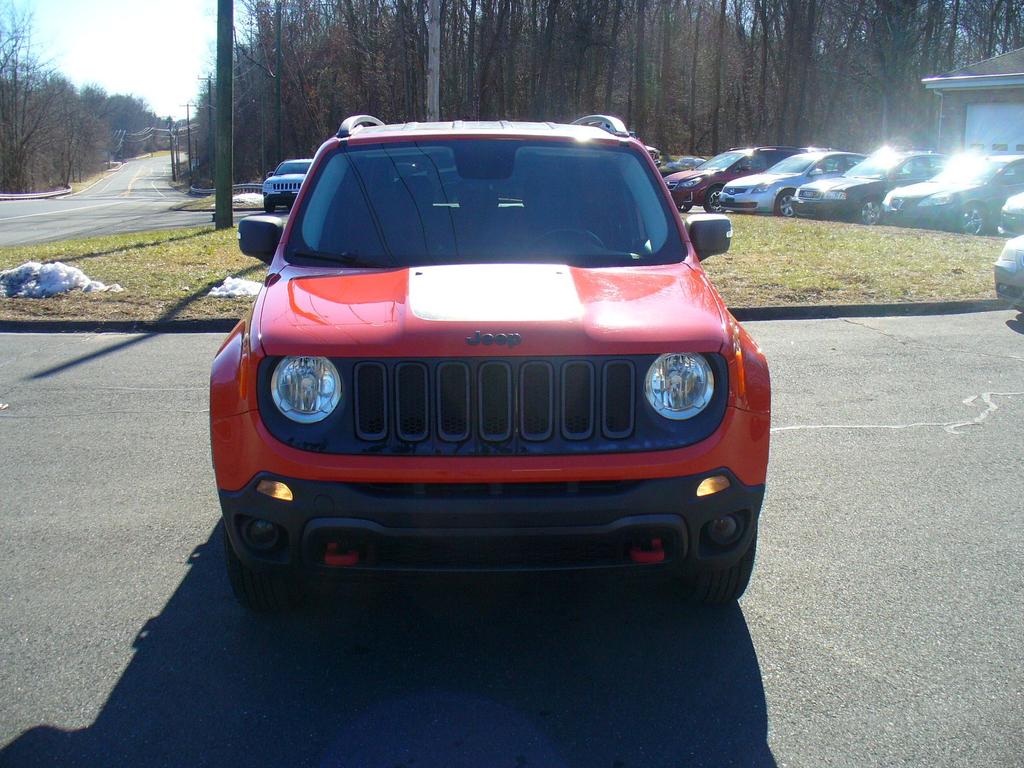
259, 235
817, 172
710, 233
269, 174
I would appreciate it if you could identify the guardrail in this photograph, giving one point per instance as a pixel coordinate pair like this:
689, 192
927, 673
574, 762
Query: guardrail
248, 187
36, 195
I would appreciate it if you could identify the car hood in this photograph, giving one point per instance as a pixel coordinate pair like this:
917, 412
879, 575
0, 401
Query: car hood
760, 178
839, 183
438, 311
288, 177
928, 188
693, 173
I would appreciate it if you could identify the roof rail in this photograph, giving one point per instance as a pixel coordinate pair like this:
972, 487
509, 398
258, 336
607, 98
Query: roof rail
606, 123
350, 124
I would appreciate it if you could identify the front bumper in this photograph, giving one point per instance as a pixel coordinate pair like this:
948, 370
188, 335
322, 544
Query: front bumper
1011, 223
817, 208
279, 198
395, 527
1010, 286
749, 202
688, 196
927, 216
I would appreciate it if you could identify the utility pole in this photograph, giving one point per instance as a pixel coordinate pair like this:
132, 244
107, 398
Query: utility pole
222, 216
434, 62
188, 138
209, 123
278, 76
170, 146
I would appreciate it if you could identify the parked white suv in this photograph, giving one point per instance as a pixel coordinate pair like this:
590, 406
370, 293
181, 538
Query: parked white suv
282, 184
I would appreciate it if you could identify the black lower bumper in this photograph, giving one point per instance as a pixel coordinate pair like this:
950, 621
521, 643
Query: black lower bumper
834, 210
281, 198
350, 527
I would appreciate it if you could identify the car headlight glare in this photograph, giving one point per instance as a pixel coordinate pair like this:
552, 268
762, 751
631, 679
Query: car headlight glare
834, 196
941, 199
761, 188
679, 385
306, 389
691, 182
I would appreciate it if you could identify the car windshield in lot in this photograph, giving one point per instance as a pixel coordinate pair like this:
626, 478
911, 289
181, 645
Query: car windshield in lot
486, 201
293, 166
969, 169
721, 162
875, 167
795, 164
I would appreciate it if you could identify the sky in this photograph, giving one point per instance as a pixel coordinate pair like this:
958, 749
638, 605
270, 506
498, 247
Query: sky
154, 50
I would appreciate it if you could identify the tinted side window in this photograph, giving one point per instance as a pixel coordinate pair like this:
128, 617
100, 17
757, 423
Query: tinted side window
935, 165
848, 161
774, 156
833, 164
1013, 174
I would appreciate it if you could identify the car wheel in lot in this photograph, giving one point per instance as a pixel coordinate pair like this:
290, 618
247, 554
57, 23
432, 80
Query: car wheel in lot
259, 592
725, 586
268, 207
711, 202
784, 204
973, 221
685, 208
871, 212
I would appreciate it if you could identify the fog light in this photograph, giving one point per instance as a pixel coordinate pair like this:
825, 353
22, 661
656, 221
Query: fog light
724, 530
274, 490
261, 534
713, 484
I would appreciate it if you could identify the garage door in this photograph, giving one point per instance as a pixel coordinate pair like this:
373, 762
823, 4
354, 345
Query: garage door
995, 127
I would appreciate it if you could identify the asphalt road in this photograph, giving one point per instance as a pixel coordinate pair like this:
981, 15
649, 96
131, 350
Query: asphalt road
136, 197
883, 626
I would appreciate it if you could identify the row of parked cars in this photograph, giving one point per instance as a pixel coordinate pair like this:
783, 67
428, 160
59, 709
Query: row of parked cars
969, 193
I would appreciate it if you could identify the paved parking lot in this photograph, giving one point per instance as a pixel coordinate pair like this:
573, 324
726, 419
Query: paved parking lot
883, 625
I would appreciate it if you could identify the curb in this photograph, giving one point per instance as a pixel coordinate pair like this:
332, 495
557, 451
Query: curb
798, 312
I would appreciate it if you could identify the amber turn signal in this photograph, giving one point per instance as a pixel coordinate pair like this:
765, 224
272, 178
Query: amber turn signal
277, 490
713, 484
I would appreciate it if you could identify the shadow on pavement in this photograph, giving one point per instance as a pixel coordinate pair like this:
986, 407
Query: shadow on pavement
1016, 324
451, 673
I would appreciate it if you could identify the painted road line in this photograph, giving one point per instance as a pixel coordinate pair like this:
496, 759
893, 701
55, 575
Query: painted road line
58, 213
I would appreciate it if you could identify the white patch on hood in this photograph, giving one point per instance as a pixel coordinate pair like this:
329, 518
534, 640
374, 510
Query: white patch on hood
493, 293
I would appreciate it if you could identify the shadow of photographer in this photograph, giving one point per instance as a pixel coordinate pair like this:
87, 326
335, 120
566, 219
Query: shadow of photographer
456, 671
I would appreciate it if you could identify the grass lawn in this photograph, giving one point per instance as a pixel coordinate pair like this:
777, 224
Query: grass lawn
167, 274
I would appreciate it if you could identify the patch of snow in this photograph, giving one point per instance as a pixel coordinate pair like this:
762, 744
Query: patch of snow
235, 288
248, 198
33, 280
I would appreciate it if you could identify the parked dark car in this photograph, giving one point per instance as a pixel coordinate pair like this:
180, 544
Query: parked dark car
684, 163
1011, 221
966, 197
857, 195
703, 185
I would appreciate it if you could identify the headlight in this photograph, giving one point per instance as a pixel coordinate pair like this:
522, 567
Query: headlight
679, 385
834, 196
691, 182
940, 199
306, 389
761, 188
1012, 257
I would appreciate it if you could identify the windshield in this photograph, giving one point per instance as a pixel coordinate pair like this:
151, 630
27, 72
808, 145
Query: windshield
967, 169
293, 166
795, 164
721, 162
875, 167
494, 201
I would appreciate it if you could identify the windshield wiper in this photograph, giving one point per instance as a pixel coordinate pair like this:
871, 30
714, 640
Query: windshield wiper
345, 259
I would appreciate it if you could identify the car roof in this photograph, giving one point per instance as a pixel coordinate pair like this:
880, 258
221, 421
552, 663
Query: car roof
480, 129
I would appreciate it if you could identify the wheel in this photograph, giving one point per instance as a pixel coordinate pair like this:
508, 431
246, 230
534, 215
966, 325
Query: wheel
784, 203
268, 207
711, 204
259, 592
871, 211
685, 207
974, 219
726, 586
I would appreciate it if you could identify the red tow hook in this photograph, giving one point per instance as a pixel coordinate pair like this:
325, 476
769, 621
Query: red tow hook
653, 553
336, 559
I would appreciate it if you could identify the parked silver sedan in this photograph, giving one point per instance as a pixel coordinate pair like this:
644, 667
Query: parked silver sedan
1009, 273
773, 190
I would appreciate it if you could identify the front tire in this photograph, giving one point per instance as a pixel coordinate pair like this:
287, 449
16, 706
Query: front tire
725, 586
784, 204
712, 202
259, 592
974, 219
870, 212
685, 207
268, 207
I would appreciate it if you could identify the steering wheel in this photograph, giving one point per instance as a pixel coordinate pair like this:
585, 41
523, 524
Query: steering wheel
567, 236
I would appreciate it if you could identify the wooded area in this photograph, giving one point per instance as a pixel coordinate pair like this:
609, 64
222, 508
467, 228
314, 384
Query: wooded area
688, 75
52, 133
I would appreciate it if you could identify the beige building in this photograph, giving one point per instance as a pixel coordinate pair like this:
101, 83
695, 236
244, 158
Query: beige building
982, 106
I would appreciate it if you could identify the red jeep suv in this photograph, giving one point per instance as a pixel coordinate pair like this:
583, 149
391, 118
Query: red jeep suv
703, 185
487, 347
